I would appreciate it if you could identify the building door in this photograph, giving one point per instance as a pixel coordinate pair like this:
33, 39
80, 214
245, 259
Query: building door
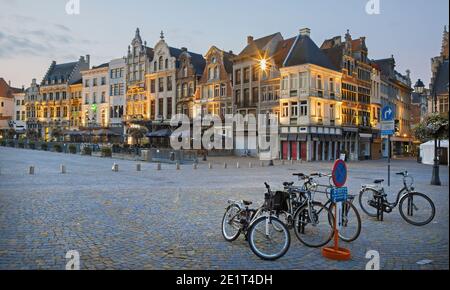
319, 153
294, 148
285, 149
303, 150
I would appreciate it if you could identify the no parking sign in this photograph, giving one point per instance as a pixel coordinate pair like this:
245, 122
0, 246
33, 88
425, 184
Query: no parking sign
339, 173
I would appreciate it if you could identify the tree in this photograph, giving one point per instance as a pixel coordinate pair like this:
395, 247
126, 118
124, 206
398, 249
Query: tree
11, 133
137, 134
434, 126
57, 133
32, 134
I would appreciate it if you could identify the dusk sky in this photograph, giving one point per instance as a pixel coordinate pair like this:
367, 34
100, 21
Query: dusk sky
33, 33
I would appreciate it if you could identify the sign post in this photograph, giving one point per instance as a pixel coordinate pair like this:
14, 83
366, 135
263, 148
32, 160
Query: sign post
339, 195
388, 129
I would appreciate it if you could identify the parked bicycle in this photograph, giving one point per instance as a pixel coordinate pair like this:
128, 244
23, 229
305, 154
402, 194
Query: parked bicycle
415, 208
313, 222
268, 237
351, 219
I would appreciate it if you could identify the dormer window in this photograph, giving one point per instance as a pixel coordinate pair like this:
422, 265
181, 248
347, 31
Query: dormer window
160, 63
185, 72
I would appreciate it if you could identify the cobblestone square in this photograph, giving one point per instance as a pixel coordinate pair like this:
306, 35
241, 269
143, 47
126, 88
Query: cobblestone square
171, 219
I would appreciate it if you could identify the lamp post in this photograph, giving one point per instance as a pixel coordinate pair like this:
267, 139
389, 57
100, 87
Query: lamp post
419, 88
263, 66
435, 180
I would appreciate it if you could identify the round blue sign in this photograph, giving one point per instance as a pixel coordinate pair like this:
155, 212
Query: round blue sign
339, 173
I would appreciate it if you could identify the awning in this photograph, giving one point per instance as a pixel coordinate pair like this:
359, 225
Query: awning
104, 132
164, 133
302, 137
292, 137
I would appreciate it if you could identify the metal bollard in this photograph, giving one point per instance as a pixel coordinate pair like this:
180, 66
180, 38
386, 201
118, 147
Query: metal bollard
115, 167
238, 165
31, 170
158, 166
178, 166
292, 162
138, 167
225, 166
250, 165
63, 169
194, 166
210, 166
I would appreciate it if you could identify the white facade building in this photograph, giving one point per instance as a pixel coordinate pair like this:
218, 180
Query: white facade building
117, 92
95, 95
20, 111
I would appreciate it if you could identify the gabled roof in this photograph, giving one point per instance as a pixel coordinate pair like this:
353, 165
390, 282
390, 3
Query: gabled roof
305, 51
197, 60
101, 66
58, 71
228, 61
7, 91
440, 86
282, 51
257, 45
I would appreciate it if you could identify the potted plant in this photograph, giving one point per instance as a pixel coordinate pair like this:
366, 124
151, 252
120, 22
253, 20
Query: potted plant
72, 149
57, 148
87, 150
106, 152
44, 146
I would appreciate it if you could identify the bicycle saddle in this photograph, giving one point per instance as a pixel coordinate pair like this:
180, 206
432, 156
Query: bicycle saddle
247, 203
378, 181
287, 184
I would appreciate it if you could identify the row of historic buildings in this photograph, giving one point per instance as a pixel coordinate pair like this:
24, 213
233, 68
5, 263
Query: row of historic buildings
327, 98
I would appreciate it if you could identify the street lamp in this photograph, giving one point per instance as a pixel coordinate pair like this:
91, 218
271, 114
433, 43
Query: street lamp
435, 180
419, 88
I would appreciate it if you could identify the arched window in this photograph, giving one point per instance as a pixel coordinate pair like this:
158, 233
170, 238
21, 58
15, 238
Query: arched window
216, 72
160, 62
185, 71
155, 66
167, 63
185, 90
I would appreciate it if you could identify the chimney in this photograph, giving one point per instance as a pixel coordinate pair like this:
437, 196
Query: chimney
250, 39
230, 52
9, 83
305, 32
184, 49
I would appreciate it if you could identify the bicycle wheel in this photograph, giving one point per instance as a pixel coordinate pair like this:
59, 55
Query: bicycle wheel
231, 225
351, 222
365, 197
265, 239
417, 209
314, 226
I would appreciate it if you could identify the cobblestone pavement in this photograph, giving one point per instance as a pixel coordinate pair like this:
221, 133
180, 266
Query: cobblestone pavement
171, 219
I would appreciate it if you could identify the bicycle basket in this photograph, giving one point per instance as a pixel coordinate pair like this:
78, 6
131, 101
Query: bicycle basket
278, 201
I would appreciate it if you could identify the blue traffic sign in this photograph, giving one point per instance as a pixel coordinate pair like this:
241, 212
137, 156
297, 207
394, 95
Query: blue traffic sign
387, 113
339, 174
339, 194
